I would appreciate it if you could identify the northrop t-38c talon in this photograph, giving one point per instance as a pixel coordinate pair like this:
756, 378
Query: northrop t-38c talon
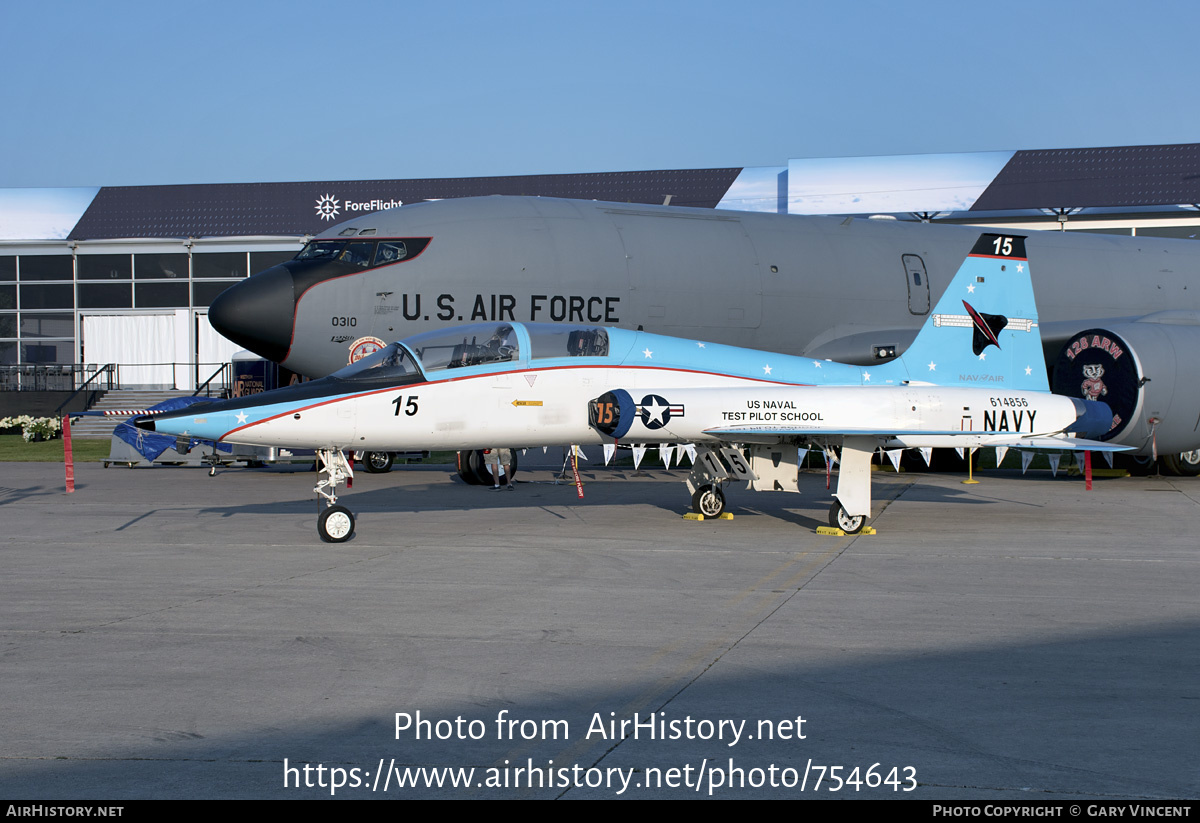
1120, 315
973, 377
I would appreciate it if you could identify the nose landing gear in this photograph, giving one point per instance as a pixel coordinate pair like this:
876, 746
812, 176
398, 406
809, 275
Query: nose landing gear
336, 523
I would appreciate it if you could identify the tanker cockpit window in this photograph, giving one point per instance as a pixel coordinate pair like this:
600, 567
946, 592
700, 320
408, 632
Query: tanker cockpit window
366, 254
465, 346
358, 254
321, 250
390, 251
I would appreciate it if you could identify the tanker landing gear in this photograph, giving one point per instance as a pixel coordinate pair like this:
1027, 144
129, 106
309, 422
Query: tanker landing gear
474, 471
336, 523
1186, 464
378, 462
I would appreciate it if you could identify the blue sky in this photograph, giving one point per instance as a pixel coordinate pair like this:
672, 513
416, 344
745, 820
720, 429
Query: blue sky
131, 93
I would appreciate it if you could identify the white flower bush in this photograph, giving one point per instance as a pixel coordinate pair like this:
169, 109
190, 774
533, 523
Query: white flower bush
47, 427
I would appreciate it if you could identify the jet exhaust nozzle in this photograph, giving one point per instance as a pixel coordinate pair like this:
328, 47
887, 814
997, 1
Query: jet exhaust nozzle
1093, 418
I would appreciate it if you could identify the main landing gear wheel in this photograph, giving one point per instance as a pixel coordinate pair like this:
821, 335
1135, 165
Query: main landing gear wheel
709, 501
474, 470
839, 519
1186, 464
336, 524
468, 467
378, 462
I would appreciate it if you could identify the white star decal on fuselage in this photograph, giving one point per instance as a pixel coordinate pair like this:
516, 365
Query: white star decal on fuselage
971, 289
241, 418
766, 369
932, 366
648, 353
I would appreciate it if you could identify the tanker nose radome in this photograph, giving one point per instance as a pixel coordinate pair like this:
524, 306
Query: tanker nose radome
258, 313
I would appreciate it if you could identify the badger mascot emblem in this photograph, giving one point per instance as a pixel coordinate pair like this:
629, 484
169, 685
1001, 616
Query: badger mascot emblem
1093, 387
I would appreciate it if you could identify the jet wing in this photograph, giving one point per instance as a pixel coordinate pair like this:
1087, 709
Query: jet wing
726, 433
773, 434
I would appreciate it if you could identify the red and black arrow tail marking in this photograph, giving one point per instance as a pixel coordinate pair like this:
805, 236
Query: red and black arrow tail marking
987, 326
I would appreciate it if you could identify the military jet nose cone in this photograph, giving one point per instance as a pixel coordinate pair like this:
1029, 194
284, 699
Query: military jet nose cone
258, 313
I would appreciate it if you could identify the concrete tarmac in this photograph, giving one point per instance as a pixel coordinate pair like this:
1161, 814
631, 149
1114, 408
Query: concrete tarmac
170, 635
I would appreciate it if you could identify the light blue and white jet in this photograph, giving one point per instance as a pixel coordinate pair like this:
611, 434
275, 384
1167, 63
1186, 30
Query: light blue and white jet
974, 376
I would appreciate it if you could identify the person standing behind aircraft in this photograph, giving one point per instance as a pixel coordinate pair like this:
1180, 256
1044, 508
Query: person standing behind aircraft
496, 458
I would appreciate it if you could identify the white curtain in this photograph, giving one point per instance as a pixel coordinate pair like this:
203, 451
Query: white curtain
143, 345
211, 348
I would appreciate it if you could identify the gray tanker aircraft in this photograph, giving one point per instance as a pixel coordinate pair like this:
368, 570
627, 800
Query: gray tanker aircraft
1120, 315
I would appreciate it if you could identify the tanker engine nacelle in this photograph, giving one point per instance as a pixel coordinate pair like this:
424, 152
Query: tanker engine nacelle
1148, 372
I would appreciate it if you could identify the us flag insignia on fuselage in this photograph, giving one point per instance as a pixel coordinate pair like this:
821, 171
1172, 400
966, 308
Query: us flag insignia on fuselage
656, 412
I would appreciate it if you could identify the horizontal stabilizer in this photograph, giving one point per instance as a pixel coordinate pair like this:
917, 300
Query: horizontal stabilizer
772, 434
1070, 443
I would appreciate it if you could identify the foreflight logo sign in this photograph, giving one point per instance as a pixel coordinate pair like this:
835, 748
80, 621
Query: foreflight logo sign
327, 207
371, 205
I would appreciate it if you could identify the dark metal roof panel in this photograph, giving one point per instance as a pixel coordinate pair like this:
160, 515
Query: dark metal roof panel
1096, 177
244, 209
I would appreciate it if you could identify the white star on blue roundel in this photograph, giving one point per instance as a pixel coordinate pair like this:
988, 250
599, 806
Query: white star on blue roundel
656, 411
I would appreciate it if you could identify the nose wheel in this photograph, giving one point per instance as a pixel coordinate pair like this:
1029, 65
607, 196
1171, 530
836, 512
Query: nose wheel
839, 519
336, 524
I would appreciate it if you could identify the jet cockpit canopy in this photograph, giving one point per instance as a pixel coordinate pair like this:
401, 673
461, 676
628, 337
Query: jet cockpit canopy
462, 346
392, 362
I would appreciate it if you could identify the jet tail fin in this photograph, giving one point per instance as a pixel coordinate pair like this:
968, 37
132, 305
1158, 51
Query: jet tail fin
983, 332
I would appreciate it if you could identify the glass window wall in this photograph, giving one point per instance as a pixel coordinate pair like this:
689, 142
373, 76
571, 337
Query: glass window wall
46, 267
104, 266
38, 316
